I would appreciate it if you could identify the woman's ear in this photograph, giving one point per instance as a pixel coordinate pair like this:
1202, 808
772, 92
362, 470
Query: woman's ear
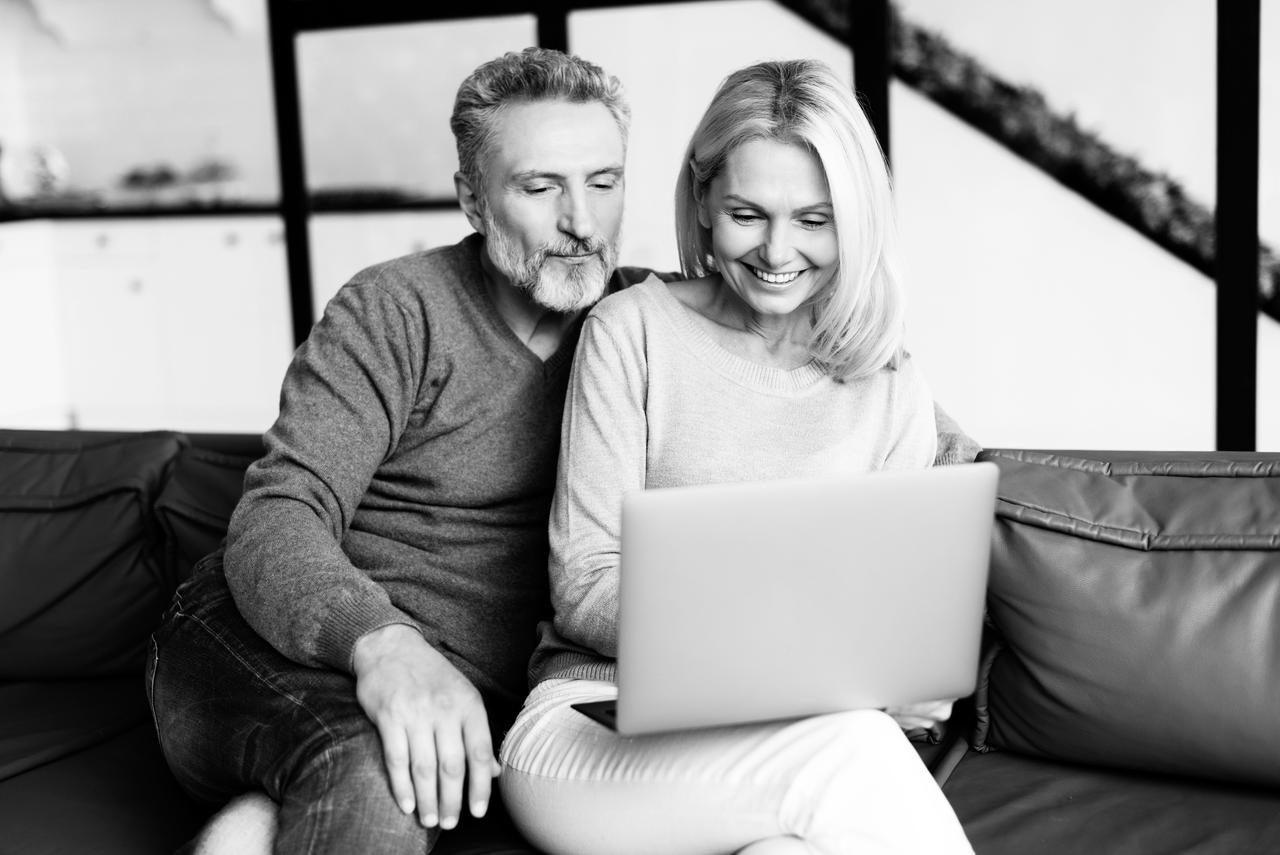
470, 201
699, 197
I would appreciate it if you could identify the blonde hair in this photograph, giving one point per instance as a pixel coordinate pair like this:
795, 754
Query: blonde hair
858, 317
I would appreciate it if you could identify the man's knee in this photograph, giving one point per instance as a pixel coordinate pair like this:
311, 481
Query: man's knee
340, 800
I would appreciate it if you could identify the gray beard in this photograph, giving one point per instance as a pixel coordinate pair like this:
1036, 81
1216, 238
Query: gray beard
577, 287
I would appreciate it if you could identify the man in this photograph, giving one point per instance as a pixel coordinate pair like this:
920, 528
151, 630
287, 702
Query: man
361, 645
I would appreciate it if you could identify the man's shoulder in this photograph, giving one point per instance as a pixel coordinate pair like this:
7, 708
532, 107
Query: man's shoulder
422, 276
420, 283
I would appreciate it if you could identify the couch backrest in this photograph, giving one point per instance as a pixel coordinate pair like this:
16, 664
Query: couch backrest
96, 530
202, 490
1135, 598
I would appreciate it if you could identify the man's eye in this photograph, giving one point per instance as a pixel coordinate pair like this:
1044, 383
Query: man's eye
604, 185
538, 190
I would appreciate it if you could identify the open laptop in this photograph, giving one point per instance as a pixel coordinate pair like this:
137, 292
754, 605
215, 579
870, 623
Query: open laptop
780, 599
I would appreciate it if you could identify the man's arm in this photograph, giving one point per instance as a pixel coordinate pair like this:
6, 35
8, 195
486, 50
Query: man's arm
954, 445
345, 402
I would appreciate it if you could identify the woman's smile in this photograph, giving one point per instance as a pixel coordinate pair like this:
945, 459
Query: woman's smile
778, 280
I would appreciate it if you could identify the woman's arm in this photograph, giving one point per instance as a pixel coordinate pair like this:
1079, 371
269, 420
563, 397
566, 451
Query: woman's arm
602, 456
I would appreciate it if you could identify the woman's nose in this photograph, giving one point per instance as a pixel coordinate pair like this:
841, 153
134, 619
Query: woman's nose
777, 248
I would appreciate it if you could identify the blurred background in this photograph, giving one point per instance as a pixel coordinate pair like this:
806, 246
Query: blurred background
1054, 164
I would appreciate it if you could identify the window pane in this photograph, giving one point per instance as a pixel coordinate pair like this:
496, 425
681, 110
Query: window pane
1039, 319
141, 101
376, 102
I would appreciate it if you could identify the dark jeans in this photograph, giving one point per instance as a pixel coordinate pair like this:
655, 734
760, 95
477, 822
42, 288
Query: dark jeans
234, 715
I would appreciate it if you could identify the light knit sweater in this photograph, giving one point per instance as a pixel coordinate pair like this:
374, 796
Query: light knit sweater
655, 401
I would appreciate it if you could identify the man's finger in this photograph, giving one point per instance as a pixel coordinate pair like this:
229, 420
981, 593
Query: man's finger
481, 764
422, 766
452, 764
395, 753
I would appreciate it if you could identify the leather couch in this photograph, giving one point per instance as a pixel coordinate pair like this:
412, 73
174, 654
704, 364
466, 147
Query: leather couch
1120, 705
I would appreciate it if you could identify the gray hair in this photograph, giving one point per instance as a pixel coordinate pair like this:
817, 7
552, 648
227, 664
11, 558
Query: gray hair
533, 74
858, 319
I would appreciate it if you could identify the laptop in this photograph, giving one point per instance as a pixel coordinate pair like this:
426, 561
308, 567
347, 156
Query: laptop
781, 599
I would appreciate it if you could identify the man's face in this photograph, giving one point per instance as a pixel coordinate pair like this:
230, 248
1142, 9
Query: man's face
552, 200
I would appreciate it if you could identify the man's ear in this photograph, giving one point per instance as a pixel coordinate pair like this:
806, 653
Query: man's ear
470, 201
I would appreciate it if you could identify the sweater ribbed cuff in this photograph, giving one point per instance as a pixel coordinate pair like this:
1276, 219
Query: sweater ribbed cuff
347, 621
577, 666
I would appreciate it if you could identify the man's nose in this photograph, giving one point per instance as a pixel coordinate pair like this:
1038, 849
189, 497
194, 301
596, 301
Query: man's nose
577, 218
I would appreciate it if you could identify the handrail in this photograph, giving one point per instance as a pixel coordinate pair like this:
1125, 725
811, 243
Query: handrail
1020, 119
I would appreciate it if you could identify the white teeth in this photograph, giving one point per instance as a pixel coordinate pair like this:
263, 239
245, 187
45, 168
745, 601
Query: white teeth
774, 278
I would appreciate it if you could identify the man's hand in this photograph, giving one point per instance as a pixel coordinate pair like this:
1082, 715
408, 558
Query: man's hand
432, 722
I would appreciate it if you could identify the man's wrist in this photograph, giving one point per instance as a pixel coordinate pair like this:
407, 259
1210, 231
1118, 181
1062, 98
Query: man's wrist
376, 642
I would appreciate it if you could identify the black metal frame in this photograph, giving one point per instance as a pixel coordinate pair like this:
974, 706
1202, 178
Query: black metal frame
1236, 224
868, 36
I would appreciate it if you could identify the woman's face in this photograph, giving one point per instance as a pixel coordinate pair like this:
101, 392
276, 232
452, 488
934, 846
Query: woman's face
773, 232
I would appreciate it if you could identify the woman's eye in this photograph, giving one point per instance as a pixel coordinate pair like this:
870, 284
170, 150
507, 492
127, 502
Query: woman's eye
813, 225
538, 190
745, 218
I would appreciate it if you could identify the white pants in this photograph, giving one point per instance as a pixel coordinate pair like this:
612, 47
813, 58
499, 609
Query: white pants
844, 783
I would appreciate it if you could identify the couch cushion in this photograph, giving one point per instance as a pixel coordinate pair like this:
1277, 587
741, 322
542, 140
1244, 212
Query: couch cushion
81, 577
197, 500
44, 721
1011, 804
1135, 599
114, 798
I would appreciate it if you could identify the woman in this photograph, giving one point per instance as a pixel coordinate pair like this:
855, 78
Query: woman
780, 356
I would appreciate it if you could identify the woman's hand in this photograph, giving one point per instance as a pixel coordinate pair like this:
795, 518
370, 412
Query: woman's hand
432, 723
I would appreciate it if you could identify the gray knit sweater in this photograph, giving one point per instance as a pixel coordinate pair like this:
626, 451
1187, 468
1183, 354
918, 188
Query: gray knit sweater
408, 477
655, 401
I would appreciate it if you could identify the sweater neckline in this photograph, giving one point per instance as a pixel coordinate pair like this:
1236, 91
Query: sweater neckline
694, 334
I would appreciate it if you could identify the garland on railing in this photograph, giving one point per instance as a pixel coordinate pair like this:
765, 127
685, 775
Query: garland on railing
1020, 119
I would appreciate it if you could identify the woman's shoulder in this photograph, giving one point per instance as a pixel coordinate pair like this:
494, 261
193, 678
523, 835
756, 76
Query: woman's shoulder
695, 294
901, 380
907, 384
632, 306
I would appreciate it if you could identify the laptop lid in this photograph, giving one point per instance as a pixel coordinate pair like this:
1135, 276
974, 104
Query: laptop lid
767, 600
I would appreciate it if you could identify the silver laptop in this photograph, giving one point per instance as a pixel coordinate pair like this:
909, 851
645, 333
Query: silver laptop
780, 599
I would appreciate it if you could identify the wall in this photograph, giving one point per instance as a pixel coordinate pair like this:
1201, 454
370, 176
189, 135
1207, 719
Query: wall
33, 376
